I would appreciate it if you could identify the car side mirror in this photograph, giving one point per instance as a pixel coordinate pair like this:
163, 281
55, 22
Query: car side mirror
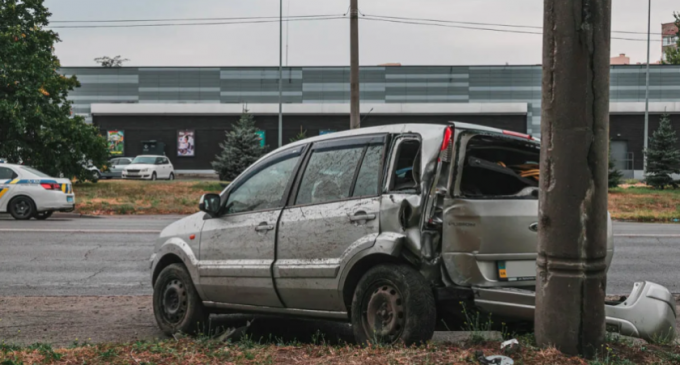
210, 203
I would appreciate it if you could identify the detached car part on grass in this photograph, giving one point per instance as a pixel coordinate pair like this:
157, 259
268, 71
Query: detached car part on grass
386, 227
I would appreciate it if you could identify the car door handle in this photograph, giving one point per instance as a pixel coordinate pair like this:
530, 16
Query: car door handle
362, 217
263, 227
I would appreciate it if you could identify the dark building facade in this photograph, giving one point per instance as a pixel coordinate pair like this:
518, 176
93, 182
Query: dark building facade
193, 94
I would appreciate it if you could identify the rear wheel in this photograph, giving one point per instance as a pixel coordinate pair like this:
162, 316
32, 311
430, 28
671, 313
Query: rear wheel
172, 176
153, 177
393, 304
22, 208
41, 216
176, 304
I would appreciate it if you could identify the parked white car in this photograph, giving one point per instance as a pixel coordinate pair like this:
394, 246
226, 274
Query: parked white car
27, 193
149, 167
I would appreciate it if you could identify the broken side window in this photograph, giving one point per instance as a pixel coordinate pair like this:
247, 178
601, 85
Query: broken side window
405, 166
498, 166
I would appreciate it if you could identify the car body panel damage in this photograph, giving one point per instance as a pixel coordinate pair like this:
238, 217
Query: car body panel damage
344, 226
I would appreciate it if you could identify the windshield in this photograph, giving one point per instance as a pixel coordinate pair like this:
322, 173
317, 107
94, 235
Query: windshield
35, 172
145, 160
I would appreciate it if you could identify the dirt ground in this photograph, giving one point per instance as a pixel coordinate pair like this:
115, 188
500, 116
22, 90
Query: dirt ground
61, 321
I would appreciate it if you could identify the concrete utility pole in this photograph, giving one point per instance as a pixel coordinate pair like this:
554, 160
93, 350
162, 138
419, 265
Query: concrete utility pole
649, 27
572, 235
354, 121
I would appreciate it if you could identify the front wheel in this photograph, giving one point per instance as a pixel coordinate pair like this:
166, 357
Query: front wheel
22, 208
393, 304
41, 216
153, 177
176, 304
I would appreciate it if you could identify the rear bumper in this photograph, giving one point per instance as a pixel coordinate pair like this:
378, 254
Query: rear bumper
648, 312
55, 201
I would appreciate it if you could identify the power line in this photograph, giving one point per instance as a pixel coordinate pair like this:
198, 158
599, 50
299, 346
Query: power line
187, 24
380, 19
487, 24
190, 19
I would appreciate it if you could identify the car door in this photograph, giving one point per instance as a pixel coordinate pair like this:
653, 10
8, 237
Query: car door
237, 248
160, 168
336, 205
7, 184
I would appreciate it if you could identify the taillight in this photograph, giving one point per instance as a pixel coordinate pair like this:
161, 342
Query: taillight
50, 186
445, 151
516, 134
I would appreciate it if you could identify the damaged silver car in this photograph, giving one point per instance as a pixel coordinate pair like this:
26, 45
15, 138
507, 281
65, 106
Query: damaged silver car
389, 228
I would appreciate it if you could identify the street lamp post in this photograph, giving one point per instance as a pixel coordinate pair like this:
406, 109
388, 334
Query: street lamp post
280, 73
649, 25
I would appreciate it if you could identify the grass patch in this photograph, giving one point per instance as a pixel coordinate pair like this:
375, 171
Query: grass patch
141, 197
644, 204
638, 202
209, 351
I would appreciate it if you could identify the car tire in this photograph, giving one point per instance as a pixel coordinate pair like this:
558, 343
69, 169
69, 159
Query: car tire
399, 302
176, 304
172, 176
21, 208
153, 177
41, 216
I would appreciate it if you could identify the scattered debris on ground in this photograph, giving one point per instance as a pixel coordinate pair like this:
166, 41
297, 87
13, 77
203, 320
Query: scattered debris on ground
204, 350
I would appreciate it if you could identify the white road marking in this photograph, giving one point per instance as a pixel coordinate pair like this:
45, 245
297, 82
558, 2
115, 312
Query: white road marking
643, 235
117, 231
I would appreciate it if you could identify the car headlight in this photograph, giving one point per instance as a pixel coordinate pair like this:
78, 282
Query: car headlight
144, 170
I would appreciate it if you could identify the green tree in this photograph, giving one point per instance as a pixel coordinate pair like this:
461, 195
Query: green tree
663, 156
673, 54
300, 136
36, 125
615, 174
240, 149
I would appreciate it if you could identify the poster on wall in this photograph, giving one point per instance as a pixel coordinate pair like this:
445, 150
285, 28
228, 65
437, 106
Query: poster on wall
261, 136
326, 131
185, 143
116, 142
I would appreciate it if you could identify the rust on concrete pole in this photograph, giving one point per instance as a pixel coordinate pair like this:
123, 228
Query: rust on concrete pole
571, 279
354, 121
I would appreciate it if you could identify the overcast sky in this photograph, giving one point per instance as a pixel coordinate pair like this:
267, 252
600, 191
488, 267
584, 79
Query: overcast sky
327, 42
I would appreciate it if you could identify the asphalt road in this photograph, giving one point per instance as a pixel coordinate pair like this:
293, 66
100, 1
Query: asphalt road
109, 256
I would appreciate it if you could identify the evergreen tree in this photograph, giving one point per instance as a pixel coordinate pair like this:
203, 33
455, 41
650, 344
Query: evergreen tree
663, 156
240, 149
673, 54
36, 125
300, 136
615, 174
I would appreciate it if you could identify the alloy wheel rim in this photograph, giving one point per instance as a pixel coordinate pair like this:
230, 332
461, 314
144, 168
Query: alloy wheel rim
383, 314
21, 208
174, 301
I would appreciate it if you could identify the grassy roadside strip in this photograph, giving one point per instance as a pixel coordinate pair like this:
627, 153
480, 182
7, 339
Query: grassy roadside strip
247, 351
637, 203
141, 197
643, 204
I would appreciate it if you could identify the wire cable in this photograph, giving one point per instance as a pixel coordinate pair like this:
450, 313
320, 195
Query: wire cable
186, 24
486, 24
380, 19
190, 19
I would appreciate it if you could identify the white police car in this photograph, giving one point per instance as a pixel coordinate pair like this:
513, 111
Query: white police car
27, 193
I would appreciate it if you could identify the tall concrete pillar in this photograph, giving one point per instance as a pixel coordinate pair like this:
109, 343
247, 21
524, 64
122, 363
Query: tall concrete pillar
571, 280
